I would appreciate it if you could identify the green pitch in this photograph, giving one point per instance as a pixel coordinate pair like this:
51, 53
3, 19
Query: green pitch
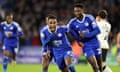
52, 68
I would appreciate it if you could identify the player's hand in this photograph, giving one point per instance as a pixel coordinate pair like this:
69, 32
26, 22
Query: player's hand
9, 34
81, 44
82, 35
48, 54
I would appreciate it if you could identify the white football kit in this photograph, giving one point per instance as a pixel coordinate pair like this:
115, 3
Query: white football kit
105, 28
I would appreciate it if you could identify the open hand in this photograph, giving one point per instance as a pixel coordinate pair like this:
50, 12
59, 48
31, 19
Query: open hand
8, 34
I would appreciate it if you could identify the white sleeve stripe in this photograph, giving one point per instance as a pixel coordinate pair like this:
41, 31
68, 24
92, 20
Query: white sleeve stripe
69, 23
42, 35
18, 27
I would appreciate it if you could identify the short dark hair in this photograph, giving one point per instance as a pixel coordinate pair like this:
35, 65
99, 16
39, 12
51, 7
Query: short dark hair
79, 5
103, 14
8, 14
51, 17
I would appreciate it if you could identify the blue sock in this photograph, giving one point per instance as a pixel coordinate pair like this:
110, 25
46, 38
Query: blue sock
5, 63
44, 71
71, 68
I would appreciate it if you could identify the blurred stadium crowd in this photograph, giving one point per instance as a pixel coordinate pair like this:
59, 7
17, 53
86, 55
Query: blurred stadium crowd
30, 14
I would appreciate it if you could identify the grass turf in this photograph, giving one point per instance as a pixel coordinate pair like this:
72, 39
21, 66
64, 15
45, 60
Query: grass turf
52, 68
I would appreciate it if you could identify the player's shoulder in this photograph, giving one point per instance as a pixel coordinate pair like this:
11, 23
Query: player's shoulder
61, 27
106, 23
44, 28
90, 16
15, 23
3, 22
72, 20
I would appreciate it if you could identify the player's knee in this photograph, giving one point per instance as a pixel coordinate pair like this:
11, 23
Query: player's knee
68, 60
6, 53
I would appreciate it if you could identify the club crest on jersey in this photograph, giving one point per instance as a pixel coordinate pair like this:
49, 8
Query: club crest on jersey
4, 28
86, 24
11, 28
59, 34
77, 26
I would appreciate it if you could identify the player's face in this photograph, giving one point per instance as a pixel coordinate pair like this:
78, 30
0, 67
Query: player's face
9, 19
78, 11
52, 24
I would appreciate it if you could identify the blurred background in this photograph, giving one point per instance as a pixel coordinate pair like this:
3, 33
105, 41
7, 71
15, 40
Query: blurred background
30, 14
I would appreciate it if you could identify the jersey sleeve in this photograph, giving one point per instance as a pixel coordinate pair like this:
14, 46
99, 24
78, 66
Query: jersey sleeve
95, 29
72, 31
64, 28
44, 38
19, 31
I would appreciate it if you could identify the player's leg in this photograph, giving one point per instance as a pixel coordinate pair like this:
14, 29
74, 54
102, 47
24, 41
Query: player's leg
62, 66
59, 59
104, 66
69, 61
13, 54
91, 58
98, 55
99, 62
45, 62
6, 54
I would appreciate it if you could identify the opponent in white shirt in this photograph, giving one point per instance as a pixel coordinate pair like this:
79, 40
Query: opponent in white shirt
105, 29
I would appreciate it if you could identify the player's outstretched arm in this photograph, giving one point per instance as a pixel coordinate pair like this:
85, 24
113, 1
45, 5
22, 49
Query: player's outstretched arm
45, 39
71, 31
18, 34
95, 32
94, 26
19, 31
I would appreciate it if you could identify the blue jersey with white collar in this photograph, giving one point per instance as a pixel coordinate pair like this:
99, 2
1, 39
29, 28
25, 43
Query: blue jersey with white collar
12, 28
88, 26
57, 40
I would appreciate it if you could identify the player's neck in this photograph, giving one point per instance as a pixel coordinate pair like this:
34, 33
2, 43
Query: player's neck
54, 31
81, 17
8, 23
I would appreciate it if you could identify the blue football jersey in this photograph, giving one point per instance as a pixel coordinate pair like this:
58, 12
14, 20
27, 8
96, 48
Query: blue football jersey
12, 28
88, 26
57, 40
